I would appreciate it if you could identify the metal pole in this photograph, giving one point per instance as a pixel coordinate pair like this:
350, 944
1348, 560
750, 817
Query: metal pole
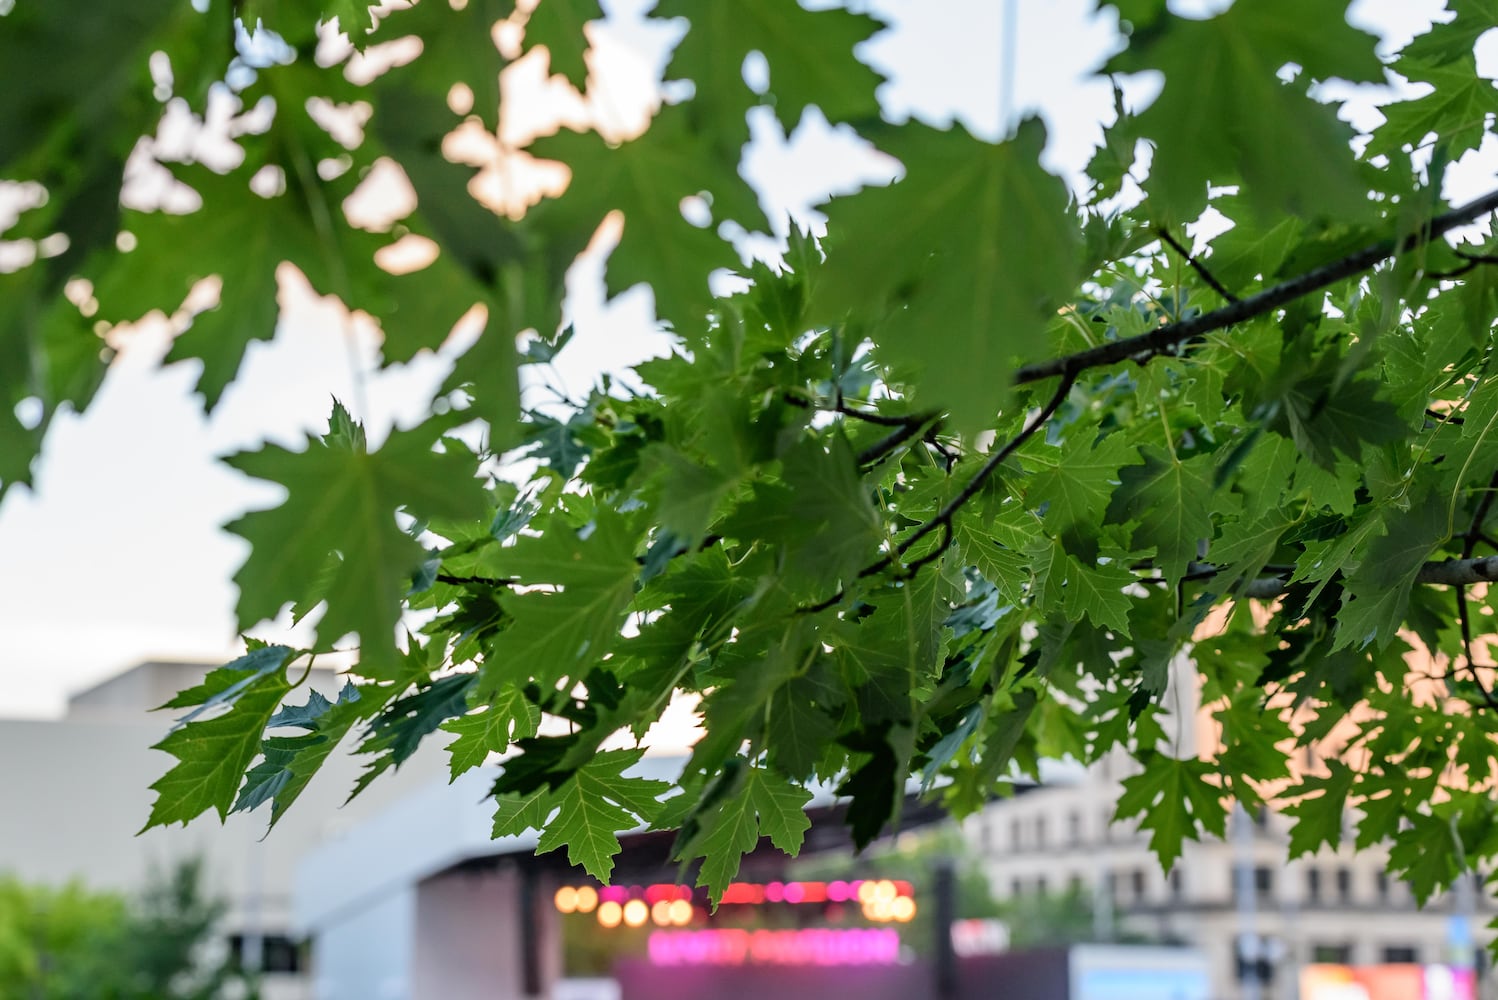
1248, 948
944, 884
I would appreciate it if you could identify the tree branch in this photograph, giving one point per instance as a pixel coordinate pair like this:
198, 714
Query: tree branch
1172, 335
1196, 265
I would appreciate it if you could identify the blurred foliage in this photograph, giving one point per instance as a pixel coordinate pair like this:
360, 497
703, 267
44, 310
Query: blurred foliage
74, 943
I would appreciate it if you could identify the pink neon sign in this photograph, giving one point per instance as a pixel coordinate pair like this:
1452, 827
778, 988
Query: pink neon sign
855, 946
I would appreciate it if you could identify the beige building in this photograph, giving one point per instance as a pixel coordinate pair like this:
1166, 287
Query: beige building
1225, 896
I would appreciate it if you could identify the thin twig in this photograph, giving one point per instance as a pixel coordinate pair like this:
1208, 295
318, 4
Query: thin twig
867, 416
1173, 335
1196, 265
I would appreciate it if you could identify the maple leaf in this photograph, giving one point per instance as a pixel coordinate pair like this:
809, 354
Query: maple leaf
964, 207
762, 803
647, 179
1321, 809
214, 752
1168, 502
344, 500
587, 810
1172, 799
509, 715
558, 25
809, 52
554, 632
1224, 112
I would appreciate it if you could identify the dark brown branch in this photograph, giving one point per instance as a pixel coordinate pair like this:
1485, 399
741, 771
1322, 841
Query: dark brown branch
1173, 335
1196, 265
867, 416
474, 581
888, 443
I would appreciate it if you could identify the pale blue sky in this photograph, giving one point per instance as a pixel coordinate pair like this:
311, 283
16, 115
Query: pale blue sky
117, 556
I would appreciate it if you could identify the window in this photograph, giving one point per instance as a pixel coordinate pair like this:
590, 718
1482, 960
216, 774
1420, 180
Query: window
1040, 832
1177, 884
1074, 828
1401, 955
1015, 842
278, 953
1344, 885
1263, 881
1331, 954
1040, 885
1074, 886
1016, 888
1381, 882
1139, 885
1313, 885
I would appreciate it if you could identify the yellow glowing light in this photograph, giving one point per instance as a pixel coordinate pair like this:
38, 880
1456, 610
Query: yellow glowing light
636, 912
566, 899
866, 891
680, 912
661, 913
885, 891
902, 909
610, 913
587, 898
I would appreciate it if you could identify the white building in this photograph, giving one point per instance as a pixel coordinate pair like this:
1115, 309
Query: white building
77, 790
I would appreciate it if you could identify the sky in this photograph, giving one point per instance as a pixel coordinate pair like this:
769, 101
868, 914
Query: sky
117, 555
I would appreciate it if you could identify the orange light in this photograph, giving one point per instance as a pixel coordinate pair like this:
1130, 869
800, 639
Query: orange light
636, 912
885, 891
587, 898
660, 912
902, 909
566, 899
680, 912
610, 913
866, 890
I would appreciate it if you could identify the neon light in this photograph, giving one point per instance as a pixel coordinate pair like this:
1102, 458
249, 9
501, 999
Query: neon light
636, 913
765, 947
610, 913
879, 892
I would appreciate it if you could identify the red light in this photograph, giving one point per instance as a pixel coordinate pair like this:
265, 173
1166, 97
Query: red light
903, 888
743, 892
658, 892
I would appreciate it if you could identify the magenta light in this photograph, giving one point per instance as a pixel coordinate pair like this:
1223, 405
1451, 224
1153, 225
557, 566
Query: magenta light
839, 892
774, 892
793, 892
856, 946
613, 894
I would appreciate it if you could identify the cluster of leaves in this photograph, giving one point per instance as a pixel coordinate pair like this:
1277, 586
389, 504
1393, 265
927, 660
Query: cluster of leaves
941, 495
72, 943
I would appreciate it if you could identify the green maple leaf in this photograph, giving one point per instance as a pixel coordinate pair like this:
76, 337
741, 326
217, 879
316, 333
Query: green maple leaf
965, 257
345, 500
457, 47
763, 803
213, 753
1457, 111
1169, 503
810, 56
1378, 590
1427, 854
646, 179
1172, 799
240, 237
1075, 481
558, 25
1456, 38
507, 716
821, 515
591, 807
556, 633
289, 762
1319, 813
1096, 592
1224, 113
